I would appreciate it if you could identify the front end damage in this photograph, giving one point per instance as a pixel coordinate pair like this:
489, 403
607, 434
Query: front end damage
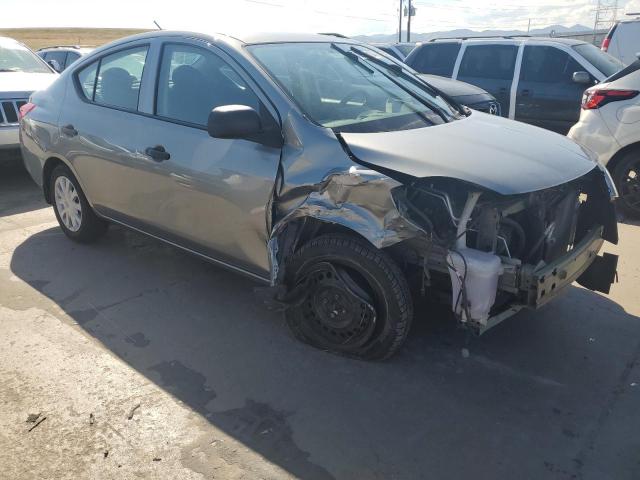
510, 251
487, 254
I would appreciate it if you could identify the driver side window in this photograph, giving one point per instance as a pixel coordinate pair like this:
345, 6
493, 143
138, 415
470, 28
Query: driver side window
193, 81
548, 65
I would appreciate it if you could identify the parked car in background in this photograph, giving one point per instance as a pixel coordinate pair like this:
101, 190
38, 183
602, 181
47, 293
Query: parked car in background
405, 47
21, 73
398, 50
462, 92
536, 80
465, 93
609, 126
60, 57
325, 169
623, 40
391, 49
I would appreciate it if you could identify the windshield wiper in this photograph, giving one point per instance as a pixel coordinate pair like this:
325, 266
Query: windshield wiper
400, 70
353, 57
14, 70
375, 61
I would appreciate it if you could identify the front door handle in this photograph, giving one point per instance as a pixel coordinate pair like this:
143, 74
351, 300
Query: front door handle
525, 93
69, 131
158, 153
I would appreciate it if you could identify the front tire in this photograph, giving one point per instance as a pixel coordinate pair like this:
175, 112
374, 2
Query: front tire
352, 298
626, 176
73, 212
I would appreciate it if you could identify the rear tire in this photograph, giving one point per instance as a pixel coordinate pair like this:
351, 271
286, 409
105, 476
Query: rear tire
626, 176
354, 299
75, 216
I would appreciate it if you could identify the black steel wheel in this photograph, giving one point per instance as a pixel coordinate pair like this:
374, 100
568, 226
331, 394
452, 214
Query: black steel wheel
348, 297
627, 179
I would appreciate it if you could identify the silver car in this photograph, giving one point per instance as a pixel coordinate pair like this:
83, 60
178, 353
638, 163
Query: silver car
21, 72
325, 170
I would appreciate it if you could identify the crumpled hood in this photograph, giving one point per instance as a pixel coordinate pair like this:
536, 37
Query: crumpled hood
12, 83
502, 155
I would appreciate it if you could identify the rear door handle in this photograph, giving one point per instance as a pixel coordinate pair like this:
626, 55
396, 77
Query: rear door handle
525, 93
158, 153
69, 131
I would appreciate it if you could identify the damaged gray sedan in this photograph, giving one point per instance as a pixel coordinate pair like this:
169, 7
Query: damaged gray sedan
329, 172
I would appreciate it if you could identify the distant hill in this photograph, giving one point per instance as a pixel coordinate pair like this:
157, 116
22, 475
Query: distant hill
423, 37
45, 37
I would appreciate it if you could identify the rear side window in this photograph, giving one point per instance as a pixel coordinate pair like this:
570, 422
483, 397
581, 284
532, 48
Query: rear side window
71, 57
193, 81
546, 64
437, 58
87, 80
489, 61
58, 56
114, 80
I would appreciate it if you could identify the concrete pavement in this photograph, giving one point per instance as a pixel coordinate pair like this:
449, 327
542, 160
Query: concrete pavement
224, 391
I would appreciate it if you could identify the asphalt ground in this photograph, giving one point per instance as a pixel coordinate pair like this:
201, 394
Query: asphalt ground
146, 362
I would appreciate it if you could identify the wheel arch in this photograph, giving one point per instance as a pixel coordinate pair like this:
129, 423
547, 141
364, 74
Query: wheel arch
620, 154
291, 235
47, 170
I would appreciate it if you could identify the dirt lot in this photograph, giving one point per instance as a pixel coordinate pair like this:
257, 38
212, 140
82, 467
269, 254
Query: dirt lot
222, 390
46, 37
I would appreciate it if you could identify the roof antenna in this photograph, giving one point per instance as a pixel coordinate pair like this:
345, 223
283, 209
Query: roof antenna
157, 25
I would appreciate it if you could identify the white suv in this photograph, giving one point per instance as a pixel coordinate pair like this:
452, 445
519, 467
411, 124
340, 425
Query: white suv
21, 73
623, 40
609, 126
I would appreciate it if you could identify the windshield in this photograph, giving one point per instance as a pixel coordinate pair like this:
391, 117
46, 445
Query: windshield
15, 57
599, 59
338, 87
628, 70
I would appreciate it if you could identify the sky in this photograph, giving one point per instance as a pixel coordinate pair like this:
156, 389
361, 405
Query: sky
350, 17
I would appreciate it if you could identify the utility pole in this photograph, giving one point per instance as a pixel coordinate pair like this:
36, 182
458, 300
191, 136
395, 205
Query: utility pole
400, 23
409, 22
529, 27
410, 11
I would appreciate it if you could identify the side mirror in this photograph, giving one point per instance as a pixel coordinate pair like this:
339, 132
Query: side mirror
582, 78
233, 121
55, 65
243, 122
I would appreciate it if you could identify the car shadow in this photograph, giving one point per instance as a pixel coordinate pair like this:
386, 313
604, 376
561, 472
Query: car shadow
19, 192
526, 397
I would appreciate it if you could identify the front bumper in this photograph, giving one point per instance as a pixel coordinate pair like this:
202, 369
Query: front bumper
9, 137
545, 283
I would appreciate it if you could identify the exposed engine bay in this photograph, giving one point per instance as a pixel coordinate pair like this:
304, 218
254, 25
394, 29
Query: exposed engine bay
486, 237
497, 253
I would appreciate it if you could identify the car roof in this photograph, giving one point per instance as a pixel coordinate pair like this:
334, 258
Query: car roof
630, 20
243, 38
271, 37
65, 47
9, 39
515, 39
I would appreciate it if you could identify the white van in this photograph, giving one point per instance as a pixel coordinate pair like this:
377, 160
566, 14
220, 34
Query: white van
623, 41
